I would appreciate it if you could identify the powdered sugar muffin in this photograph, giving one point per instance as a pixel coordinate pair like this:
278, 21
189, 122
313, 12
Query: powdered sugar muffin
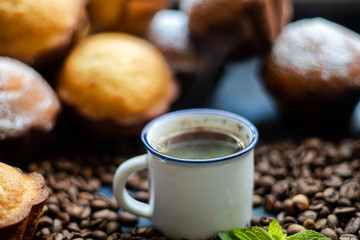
28, 110
313, 71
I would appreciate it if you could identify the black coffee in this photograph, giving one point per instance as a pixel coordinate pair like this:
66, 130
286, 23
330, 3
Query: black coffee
200, 144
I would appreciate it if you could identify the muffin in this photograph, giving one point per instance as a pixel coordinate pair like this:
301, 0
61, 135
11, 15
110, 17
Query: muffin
132, 16
237, 27
116, 80
168, 31
37, 31
22, 198
28, 108
313, 72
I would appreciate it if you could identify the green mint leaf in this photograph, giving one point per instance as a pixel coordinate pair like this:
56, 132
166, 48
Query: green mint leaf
251, 233
307, 235
227, 236
275, 230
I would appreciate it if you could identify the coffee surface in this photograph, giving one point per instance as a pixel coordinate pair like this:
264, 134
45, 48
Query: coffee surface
200, 144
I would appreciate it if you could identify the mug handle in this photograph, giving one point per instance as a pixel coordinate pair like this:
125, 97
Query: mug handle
122, 196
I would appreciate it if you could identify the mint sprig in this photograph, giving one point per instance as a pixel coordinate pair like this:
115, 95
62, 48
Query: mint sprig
274, 233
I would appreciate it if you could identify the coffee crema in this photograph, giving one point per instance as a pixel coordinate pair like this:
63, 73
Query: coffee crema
200, 144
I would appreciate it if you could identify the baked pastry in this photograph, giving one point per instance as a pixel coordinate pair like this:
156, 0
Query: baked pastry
28, 106
313, 72
37, 31
237, 27
117, 79
22, 198
131, 16
168, 31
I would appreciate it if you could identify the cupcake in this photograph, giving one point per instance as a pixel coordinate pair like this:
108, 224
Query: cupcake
132, 16
22, 198
116, 82
235, 27
38, 31
28, 108
313, 72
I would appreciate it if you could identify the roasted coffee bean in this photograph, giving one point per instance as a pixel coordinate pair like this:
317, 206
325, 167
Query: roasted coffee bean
105, 214
353, 226
331, 195
295, 228
257, 200
301, 202
57, 225
255, 221
112, 227
142, 196
127, 219
309, 224
349, 237
330, 233
320, 224
332, 221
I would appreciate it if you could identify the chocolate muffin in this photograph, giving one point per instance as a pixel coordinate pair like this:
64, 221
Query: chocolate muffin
313, 72
236, 27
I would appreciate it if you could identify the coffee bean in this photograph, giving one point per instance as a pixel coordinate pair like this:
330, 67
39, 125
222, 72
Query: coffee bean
353, 226
105, 214
294, 228
309, 224
255, 221
112, 227
301, 202
127, 219
57, 225
348, 237
99, 204
98, 235
331, 195
332, 221
142, 196
257, 200
330, 233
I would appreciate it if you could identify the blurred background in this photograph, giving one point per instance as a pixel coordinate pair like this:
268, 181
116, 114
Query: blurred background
240, 89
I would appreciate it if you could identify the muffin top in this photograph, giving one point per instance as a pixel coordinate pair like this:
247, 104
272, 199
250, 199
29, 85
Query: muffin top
18, 193
118, 77
26, 100
319, 55
31, 27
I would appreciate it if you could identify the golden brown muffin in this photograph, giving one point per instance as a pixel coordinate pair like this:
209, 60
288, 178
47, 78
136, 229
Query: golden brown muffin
28, 109
22, 198
243, 27
131, 16
117, 78
36, 31
313, 71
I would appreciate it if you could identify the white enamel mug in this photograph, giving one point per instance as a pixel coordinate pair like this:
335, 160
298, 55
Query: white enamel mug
193, 198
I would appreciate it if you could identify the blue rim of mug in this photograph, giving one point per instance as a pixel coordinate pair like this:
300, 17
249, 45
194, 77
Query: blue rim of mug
254, 132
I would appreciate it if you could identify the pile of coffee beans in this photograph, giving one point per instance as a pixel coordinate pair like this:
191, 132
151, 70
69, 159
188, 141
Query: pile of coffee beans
308, 184
311, 184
